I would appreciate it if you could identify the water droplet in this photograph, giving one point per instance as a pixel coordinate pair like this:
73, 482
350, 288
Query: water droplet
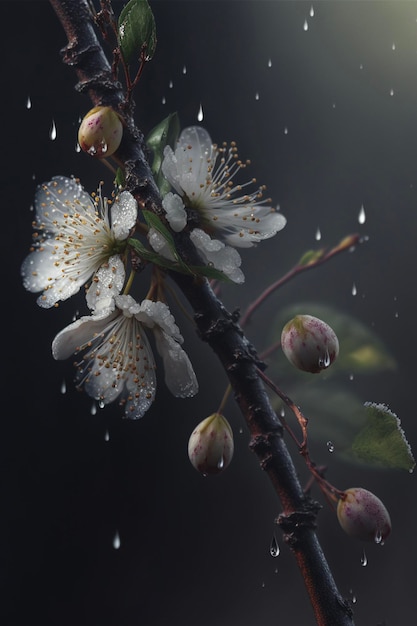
411, 470
353, 598
200, 114
101, 404
240, 431
351, 376
273, 546
116, 541
257, 96
311, 11
378, 538
263, 585
28, 103
92, 151
163, 100
391, 92
107, 435
276, 570
362, 216
220, 463
285, 131
354, 290
282, 412
64, 387
364, 559
171, 84
396, 315
324, 361
269, 63
52, 131
361, 66
305, 25
318, 234
184, 70
393, 46
330, 446
77, 147
93, 409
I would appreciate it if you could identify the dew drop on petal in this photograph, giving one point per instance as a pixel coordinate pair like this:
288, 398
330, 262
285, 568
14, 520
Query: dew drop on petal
274, 547
63, 387
28, 103
200, 114
362, 215
116, 541
52, 131
364, 559
318, 234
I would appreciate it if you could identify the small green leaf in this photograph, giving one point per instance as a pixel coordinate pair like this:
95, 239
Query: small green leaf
120, 179
137, 31
310, 257
381, 441
163, 134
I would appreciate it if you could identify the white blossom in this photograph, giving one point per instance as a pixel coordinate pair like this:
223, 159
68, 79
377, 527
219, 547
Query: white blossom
75, 235
175, 211
215, 253
117, 359
202, 175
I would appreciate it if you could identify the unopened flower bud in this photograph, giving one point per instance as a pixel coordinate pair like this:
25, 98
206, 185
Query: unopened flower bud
210, 447
100, 132
309, 343
362, 515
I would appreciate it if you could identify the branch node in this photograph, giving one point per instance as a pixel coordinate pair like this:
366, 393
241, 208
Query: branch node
296, 523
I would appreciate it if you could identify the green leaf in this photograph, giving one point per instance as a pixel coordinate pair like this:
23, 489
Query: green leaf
381, 441
163, 134
137, 31
120, 179
153, 221
311, 256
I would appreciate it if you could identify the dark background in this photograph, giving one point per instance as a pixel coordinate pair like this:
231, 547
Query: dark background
195, 551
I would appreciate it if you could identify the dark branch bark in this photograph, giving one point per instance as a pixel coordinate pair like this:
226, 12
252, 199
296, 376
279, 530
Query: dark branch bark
216, 326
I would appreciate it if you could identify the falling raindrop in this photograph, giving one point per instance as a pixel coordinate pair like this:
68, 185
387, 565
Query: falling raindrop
64, 387
163, 100
171, 84
263, 585
28, 103
274, 547
93, 409
184, 70
396, 315
305, 25
391, 92
269, 63
354, 290
77, 147
282, 412
311, 11
52, 131
361, 66
351, 376
364, 559
116, 541
362, 215
200, 114
257, 96
318, 234
353, 598
330, 446
107, 435
276, 570
285, 131
240, 431
101, 404
393, 46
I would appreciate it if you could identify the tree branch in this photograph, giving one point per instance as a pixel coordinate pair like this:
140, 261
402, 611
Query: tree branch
216, 326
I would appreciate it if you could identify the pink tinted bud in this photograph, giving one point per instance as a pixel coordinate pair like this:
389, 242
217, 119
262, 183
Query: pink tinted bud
309, 343
362, 515
100, 132
210, 447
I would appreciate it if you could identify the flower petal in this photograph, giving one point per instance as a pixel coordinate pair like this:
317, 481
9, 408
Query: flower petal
175, 212
179, 374
107, 283
124, 212
223, 258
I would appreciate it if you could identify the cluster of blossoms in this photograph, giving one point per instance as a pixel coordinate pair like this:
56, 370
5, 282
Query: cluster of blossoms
83, 241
